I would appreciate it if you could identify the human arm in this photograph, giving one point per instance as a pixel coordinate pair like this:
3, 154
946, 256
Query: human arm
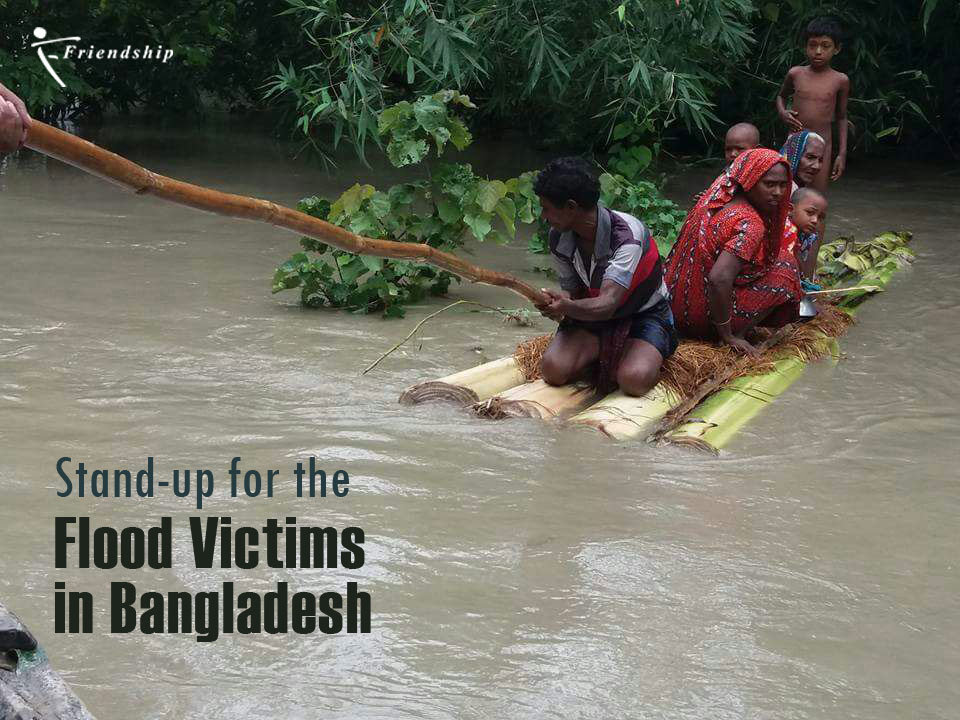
843, 94
600, 307
571, 286
14, 120
720, 298
789, 117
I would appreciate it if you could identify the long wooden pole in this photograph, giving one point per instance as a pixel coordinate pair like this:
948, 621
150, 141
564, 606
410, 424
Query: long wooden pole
116, 169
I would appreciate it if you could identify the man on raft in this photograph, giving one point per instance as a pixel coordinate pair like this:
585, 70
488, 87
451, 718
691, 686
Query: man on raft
613, 307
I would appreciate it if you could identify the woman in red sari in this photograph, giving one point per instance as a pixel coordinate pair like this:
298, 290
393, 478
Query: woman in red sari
732, 267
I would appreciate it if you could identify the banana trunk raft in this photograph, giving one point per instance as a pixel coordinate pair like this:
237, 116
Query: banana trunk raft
706, 393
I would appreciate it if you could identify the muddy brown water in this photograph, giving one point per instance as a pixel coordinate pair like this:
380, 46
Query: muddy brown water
516, 570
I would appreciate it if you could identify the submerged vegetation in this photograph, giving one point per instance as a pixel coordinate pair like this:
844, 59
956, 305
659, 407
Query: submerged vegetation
444, 209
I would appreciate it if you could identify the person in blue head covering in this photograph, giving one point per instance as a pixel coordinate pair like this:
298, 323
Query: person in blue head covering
804, 151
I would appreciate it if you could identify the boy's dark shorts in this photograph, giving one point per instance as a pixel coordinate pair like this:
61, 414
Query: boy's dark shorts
654, 326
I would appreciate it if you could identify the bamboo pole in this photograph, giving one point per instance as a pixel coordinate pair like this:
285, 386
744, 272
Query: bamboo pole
116, 169
467, 386
624, 417
537, 399
677, 415
716, 420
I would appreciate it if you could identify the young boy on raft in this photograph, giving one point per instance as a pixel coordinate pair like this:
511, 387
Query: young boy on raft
807, 212
820, 96
739, 138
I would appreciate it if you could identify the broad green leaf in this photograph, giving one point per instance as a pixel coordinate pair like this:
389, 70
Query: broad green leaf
353, 269
400, 194
349, 202
393, 116
626, 166
855, 262
448, 210
621, 130
459, 135
643, 156
464, 100
608, 183
440, 137
430, 113
479, 225
365, 223
406, 151
373, 264
507, 210
489, 193
380, 205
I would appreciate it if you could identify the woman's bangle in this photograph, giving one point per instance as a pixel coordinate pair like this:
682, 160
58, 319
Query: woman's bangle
725, 322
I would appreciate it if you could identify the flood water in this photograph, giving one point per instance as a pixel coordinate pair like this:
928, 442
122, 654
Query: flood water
516, 570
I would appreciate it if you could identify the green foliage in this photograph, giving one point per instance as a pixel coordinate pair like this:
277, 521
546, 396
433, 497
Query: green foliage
579, 72
370, 55
330, 277
445, 210
409, 127
27, 77
572, 67
848, 261
629, 156
643, 200
566, 72
223, 52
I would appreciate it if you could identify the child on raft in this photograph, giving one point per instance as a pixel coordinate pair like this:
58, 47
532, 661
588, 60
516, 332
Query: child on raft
819, 96
739, 138
807, 213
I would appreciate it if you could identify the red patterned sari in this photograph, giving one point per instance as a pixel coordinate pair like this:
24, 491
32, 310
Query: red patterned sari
768, 285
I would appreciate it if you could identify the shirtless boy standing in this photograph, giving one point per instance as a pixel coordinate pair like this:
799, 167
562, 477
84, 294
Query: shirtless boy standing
819, 96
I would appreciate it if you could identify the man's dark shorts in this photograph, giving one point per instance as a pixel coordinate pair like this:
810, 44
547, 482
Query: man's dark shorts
654, 326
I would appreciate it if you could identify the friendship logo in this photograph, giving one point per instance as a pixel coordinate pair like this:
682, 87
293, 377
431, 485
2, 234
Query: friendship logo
73, 51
